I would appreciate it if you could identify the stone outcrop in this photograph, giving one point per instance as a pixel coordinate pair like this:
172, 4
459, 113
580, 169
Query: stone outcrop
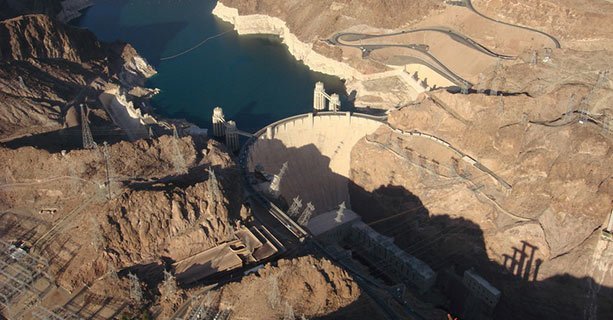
308, 286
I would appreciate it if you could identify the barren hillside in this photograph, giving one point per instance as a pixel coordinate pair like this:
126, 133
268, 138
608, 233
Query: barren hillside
540, 189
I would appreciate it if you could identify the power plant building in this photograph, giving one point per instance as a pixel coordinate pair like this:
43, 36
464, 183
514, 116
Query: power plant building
411, 270
481, 288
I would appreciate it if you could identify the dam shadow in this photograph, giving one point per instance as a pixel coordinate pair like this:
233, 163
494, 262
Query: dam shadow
450, 244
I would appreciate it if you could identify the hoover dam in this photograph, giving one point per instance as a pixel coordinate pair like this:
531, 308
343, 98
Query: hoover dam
316, 148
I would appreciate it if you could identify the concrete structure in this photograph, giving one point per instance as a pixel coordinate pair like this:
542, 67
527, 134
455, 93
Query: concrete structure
319, 147
481, 288
250, 246
328, 222
411, 270
319, 98
231, 132
218, 122
123, 113
335, 102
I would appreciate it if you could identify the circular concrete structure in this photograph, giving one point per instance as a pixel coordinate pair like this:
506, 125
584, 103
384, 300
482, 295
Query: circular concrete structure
317, 148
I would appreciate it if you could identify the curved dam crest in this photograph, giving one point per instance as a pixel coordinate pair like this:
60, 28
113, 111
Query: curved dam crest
317, 149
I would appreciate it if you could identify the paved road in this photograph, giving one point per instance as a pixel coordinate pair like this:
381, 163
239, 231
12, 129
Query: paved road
470, 6
345, 39
440, 68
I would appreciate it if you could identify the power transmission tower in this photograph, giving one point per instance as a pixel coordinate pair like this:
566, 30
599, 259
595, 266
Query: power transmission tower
213, 191
107, 166
569, 111
178, 160
534, 58
340, 212
603, 77
213, 185
275, 185
294, 209
306, 214
88, 140
136, 292
494, 92
168, 288
21, 83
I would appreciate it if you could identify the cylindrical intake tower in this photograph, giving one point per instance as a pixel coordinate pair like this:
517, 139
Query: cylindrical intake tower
232, 136
335, 102
218, 122
319, 98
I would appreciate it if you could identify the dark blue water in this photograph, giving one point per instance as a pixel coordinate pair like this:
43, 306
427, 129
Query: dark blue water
253, 78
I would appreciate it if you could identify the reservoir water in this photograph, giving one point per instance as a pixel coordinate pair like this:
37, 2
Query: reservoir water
253, 78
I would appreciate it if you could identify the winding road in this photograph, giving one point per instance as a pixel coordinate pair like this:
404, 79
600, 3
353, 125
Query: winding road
346, 39
470, 7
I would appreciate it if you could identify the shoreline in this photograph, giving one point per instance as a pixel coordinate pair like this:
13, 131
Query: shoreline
355, 81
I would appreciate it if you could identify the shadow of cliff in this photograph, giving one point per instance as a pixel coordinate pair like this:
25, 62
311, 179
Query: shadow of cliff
66, 139
449, 244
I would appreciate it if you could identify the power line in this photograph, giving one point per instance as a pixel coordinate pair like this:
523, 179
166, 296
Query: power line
194, 47
88, 140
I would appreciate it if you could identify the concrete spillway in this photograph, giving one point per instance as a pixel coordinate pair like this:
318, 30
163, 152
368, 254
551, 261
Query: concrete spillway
317, 148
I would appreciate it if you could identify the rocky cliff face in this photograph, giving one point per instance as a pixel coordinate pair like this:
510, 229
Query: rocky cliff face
176, 220
158, 210
48, 68
503, 180
39, 37
13, 8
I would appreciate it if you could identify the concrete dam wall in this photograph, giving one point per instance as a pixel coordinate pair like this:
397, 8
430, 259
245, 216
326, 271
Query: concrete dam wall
317, 149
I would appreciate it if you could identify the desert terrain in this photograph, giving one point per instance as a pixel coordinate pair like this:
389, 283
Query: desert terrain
490, 153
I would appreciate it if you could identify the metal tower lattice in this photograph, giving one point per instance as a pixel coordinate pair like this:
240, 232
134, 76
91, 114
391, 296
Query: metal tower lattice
294, 209
275, 185
178, 160
306, 214
107, 166
88, 140
136, 292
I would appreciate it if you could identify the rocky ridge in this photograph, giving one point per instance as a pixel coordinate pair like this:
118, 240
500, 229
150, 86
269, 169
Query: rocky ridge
304, 286
48, 67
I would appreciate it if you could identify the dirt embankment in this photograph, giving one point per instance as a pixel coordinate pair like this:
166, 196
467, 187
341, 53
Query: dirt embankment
527, 212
